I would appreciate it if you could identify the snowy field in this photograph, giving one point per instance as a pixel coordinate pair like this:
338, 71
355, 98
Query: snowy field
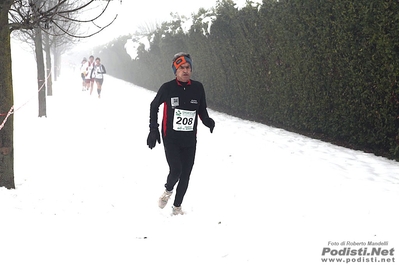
88, 186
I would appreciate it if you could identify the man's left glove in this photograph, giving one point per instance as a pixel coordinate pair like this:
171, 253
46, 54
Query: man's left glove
210, 123
153, 137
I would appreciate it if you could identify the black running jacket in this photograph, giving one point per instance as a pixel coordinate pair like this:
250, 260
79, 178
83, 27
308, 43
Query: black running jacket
183, 104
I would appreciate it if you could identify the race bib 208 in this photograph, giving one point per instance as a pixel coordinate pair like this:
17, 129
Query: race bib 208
184, 120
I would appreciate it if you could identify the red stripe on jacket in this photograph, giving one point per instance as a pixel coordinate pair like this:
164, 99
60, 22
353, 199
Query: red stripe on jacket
165, 118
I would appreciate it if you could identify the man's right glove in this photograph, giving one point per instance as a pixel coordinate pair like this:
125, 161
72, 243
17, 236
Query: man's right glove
153, 137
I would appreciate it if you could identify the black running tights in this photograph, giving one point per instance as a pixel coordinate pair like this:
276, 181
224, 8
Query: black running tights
181, 161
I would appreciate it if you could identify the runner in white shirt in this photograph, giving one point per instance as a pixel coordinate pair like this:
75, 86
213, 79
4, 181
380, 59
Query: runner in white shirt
83, 73
88, 79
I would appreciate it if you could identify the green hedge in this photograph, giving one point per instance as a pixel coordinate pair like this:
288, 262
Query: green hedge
323, 68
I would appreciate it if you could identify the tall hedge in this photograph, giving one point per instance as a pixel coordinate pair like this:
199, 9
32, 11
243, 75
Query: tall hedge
324, 68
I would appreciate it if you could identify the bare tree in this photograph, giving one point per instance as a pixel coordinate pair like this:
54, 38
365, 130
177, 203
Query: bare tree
60, 21
31, 15
55, 42
60, 43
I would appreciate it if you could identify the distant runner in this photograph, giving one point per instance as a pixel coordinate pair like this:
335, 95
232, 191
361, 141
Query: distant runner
88, 79
98, 75
83, 73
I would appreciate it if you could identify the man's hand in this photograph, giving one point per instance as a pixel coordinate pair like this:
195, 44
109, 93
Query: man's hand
153, 137
210, 123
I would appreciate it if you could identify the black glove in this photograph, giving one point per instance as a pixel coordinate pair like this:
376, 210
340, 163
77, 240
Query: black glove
210, 123
153, 137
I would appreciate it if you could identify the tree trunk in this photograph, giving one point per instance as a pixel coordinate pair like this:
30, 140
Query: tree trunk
48, 65
41, 78
6, 103
57, 62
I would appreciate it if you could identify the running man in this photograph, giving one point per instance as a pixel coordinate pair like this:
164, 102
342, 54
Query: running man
184, 100
98, 75
88, 79
83, 73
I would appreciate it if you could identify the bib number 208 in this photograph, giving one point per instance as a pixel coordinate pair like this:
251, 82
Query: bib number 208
184, 120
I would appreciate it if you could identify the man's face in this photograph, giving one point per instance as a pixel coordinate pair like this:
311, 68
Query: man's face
91, 59
183, 73
97, 62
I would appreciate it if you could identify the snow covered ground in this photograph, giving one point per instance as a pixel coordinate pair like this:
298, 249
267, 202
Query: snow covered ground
87, 189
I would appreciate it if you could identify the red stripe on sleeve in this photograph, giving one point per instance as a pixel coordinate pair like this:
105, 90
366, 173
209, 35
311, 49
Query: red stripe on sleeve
165, 118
